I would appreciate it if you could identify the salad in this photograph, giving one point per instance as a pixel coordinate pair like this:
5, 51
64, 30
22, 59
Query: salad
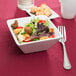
36, 29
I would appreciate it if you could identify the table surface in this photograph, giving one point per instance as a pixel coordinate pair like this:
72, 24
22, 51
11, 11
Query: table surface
48, 63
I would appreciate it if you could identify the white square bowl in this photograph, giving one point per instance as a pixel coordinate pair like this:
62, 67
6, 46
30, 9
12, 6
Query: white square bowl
34, 46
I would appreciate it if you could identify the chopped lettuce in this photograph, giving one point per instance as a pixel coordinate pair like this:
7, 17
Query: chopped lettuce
22, 33
30, 25
46, 23
40, 33
33, 30
36, 20
35, 39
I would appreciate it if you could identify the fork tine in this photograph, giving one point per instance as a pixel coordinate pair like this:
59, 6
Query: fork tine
58, 28
61, 30
64, 33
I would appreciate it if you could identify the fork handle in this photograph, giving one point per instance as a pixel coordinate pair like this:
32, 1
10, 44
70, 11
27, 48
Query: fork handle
66, 63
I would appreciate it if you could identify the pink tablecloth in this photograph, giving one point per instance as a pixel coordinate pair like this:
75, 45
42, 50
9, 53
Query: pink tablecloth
49, 63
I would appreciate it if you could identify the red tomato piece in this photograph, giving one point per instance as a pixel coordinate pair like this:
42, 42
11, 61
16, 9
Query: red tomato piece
42, 21
19, 27
26, 38
51, 30
27, 41
52, 36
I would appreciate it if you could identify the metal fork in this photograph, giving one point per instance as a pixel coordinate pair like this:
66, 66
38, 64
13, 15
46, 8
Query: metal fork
66, 63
